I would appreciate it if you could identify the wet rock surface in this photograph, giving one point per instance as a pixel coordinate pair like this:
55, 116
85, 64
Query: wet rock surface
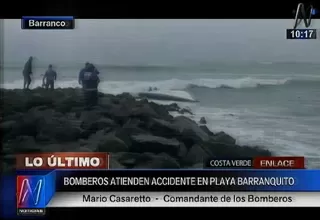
139, 134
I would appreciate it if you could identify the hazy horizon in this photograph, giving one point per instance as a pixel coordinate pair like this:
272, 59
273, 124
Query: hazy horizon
159, 42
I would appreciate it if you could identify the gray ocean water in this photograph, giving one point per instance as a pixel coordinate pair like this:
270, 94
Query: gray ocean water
276, 105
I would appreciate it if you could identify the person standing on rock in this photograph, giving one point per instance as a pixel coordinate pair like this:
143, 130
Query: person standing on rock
80, 79
89, 79
95, 69
49, 77
27, 71
84, 69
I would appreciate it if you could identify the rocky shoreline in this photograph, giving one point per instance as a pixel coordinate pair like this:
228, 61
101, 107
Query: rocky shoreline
137, 133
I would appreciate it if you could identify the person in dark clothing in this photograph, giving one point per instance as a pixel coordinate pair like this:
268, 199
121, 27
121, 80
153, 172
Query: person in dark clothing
27, 71
81, 74
49, 77
96, 70
83, 70
89, 80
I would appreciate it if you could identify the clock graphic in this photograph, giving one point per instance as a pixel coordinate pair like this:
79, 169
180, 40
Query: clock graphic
302, 34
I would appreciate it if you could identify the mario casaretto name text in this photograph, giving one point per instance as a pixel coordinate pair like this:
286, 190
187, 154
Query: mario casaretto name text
187, 198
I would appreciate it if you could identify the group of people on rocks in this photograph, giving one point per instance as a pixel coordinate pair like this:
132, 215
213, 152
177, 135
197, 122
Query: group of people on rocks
88, 78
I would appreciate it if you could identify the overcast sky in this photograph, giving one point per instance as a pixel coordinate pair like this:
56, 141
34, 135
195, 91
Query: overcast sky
141, 42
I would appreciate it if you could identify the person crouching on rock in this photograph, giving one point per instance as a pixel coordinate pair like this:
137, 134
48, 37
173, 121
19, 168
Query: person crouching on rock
49, 77
89, 80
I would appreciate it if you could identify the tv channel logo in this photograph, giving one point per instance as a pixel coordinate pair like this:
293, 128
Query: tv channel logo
31, 192
304, 14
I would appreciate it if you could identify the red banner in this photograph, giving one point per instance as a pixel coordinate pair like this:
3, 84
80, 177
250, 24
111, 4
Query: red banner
278, 163
66, 160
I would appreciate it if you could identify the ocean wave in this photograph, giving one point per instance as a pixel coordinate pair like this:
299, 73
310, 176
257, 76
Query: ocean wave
278, 137
117, 87
275, 134
250, 83
239, 83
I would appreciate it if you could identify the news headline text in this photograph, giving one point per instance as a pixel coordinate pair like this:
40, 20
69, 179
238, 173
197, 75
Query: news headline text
178, 181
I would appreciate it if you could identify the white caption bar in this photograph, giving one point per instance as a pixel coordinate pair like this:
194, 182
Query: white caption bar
185, 199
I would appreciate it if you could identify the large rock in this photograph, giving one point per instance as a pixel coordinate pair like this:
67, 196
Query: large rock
161, 111
93, 141
125, 99
223, 138
173, 107
232, 150
183, 151
27, 126
59, 129
83, 149
124, 135
93, 121
38, 100
203, 120
45, 125
206, 130
23, 144
9, 159
185, 110
190, 132
52, 148
134, 126
44, 138
7, 126
130, 160
155, 144
7, 168
14, 116
163, 128
103, 123
64, 147
88, 117
114, 164
119, 113
197, 154
160, 161
144, 112
68, 102
105, 102
197, 166
107, 142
